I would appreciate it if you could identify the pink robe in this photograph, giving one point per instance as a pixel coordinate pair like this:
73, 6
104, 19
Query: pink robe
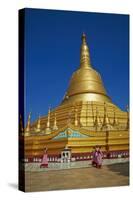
94, 159
97, 158
44, 161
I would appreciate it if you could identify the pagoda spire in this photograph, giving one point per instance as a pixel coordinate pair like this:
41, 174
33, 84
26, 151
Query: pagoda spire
106, 123
84, 53
86, 83
48, 121
27, 130
106, 119
55, 127
38, 128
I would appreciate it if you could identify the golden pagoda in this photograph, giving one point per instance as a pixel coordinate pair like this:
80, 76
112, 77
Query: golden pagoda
85, 118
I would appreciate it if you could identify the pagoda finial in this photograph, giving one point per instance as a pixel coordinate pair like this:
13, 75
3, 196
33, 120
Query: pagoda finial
83, 38
55, 127
27, 130
84, 53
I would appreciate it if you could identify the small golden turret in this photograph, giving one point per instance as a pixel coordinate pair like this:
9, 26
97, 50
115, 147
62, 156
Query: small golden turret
38, 128
106, 123
48, 129
105, 119
55, 127
93, 117
115, 120
97, 122
76, 117
21, 129
27, 130
48, 121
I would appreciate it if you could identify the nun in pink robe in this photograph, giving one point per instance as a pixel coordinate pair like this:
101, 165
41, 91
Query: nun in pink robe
44, 160
97, 157
94, 158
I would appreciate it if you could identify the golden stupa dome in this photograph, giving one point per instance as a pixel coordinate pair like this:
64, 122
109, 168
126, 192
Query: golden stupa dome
86, 83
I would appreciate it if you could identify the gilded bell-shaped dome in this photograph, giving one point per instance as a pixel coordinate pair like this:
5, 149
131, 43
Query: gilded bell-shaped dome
86, 83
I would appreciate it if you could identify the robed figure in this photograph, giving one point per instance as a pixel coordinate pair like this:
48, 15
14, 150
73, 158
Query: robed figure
97, 157
44, 163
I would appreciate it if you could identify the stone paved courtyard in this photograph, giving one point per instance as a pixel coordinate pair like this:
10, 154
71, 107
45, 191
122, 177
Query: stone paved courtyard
76, 178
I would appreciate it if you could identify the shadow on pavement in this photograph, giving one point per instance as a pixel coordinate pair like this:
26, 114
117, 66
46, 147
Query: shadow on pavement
121, 168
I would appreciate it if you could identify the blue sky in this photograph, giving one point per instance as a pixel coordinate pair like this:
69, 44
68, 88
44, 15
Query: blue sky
52, 50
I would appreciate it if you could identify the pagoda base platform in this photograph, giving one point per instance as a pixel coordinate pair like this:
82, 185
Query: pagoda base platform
75, 157
32, 167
